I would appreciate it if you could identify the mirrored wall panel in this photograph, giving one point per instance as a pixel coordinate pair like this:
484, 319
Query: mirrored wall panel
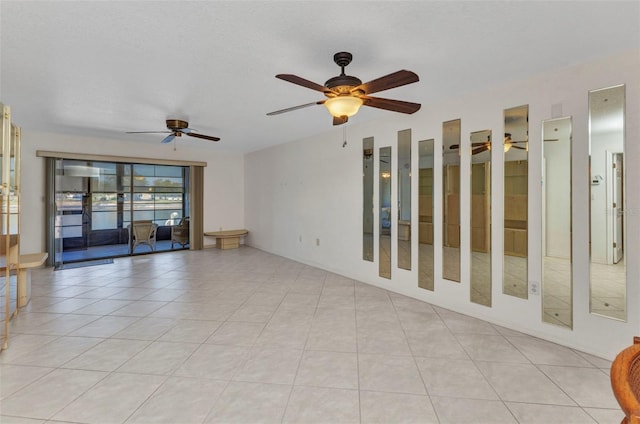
451, 200
481, 217
385, 213
367, 199
516, 201
607, 219
557, 300
404, 199
425, 215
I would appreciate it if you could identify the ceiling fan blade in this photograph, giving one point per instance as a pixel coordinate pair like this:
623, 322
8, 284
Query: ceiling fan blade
392, 105
202, 136
551, 139
339, 120
289, 109
169, 138
480, 149
519, 147
303, 82
396, 79
148, 132
454, 146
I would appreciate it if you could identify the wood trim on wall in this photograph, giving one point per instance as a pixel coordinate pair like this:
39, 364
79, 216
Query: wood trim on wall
110, 158
196, 207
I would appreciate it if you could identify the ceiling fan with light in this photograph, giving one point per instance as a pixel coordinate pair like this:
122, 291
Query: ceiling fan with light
345, 93
177, 127
480, 147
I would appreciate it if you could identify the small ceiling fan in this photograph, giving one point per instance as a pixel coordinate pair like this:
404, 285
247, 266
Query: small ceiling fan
345, 94
176, 128
480, 147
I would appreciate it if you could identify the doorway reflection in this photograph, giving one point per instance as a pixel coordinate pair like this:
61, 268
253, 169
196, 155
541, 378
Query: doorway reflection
607, 202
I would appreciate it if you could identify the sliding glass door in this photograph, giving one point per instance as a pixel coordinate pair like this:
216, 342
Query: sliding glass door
96, 204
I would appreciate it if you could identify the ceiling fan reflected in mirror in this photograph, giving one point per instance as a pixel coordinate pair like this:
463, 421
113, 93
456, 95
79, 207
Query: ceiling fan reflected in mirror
345, 93
477, 148
177, 127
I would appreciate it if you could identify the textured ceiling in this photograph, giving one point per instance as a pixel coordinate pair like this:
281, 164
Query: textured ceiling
102, 68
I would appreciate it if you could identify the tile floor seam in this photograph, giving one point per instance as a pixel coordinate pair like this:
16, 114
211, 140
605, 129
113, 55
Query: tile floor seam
293, 384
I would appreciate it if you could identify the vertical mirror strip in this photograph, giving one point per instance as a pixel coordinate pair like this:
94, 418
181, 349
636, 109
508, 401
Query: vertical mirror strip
516, 201
404, 199
557, 299
481, 217
425, 215
607, 200
385, 213
367, 199
451, 200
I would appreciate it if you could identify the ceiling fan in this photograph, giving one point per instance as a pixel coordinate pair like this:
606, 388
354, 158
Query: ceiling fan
176, 128
345, 94
480, 147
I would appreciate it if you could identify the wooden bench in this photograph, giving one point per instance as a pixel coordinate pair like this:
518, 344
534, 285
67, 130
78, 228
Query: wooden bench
23, 268
228, 239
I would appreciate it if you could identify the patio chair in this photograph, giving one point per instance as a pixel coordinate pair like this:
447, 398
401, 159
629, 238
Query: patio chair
180, 232
143, 232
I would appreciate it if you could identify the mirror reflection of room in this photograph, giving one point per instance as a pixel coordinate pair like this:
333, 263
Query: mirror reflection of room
557, 301
385, 213
481, 217
607, 183
404, 199
451, 200
516, 201
425, 215
367, 199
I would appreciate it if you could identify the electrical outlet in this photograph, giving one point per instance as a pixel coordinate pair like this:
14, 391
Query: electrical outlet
534, 288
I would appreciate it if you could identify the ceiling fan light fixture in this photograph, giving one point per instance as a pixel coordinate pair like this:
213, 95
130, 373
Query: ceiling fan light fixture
343, 105
507, 147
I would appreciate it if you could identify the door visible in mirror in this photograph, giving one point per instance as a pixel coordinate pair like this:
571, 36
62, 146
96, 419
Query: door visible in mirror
607, 196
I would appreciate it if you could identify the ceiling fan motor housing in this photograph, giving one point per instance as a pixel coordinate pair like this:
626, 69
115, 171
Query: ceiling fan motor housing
177, 124
343, 83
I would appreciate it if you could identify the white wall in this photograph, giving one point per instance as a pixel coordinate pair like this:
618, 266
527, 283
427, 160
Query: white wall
312, 189
223, 178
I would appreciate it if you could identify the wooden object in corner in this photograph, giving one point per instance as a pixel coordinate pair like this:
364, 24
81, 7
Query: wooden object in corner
625, 382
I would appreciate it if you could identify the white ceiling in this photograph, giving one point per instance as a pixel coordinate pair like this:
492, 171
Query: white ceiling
102, 68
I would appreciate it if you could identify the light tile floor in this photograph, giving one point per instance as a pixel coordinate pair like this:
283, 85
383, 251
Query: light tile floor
243, 336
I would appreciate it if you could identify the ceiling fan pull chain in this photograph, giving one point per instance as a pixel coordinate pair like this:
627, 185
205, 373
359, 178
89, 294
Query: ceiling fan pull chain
344, 135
